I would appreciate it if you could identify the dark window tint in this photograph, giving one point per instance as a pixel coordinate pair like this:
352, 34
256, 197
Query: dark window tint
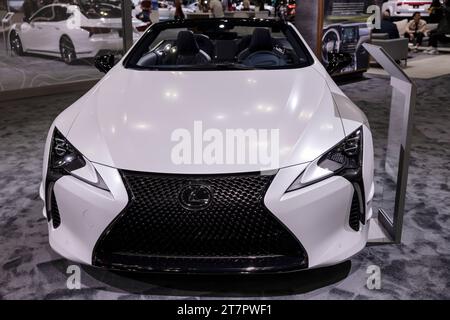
60, 13
45, 14
94, 10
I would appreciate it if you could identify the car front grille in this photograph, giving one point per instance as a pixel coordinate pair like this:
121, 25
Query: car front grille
235, 232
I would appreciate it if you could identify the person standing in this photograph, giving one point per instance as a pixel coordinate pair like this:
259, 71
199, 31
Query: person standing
262, 7
225, 5
416, 29
179, 14
144, 15
29, 8
442, 33
387, 26
216, 9
246, 5
435, 12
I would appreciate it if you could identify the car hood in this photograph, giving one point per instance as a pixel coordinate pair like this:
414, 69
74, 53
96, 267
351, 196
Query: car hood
134, 120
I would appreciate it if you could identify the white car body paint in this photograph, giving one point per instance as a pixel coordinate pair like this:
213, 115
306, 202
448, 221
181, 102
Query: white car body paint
117, 130
406, 8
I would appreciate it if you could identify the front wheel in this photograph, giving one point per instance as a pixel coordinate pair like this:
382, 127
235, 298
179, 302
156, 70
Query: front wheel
67, 49
16, 44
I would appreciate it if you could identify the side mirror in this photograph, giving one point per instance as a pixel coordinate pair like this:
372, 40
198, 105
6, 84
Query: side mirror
104, 63
337, 61
26, 19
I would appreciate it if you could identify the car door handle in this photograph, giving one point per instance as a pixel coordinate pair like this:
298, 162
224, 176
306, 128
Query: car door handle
57, 28
39, 27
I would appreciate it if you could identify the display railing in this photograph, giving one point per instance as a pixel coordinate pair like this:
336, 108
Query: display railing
387, 227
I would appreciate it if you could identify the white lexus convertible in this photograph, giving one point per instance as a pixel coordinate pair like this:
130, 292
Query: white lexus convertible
240, 154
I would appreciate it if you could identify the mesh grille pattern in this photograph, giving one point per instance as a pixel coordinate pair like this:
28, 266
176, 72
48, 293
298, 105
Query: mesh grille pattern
56, 218
355, 212
236, 230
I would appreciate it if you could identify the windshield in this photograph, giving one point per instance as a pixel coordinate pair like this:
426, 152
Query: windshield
95, 9
219, 44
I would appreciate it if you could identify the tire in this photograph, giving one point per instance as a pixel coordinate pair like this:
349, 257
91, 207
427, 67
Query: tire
15, 43
67, 50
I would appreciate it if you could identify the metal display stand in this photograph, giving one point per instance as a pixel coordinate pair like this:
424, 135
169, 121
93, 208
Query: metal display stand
6, 25
387, 227
127, 25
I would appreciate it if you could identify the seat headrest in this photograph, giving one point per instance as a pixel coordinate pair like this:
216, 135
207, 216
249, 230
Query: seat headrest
261, 40
186, 44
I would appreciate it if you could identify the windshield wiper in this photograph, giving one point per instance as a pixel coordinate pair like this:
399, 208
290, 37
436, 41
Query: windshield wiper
222, 66
210, 66
233, 66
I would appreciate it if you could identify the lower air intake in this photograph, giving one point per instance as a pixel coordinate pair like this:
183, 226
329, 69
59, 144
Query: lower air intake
235, 232
355, 212
56, 218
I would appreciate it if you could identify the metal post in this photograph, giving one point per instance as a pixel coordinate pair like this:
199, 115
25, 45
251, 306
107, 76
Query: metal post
5, 40
127, 25
309, 20
399, 142
6, 26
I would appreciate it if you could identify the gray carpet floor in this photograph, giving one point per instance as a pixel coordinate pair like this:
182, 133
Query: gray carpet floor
419, 268
18, 72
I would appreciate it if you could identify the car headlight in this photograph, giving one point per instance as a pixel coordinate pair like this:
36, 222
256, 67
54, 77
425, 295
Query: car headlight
344, 159
65, 159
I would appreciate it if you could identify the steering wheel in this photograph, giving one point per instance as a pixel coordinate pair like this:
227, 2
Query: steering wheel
263, 59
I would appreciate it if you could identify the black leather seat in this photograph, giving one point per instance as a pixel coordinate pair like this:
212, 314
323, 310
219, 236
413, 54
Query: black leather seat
260, 41
205, 44
261, 50
188, 51
244, 43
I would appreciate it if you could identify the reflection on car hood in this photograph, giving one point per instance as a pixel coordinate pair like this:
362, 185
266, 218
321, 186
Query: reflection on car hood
129, 119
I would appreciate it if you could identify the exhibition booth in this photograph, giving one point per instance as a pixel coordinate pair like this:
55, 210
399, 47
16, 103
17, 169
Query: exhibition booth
56, 45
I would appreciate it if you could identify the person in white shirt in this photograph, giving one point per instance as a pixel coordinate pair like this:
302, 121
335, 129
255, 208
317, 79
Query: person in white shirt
416, 30
216, 9
246, 5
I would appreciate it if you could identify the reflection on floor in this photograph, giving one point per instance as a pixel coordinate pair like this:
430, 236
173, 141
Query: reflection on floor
416, 269
422, 66
18, 72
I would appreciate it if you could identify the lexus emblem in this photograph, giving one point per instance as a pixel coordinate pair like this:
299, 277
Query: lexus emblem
195, 197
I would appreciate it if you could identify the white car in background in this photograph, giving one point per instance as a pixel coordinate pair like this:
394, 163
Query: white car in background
406, 8
166, 10
267, 7
191, 6
70, 31
14, 5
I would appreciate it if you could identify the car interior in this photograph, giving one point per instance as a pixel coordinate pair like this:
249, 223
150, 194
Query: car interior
219, 48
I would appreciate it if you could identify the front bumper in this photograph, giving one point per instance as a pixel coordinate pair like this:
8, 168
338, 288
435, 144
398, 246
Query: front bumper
316, 217
408, 11
88, 47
